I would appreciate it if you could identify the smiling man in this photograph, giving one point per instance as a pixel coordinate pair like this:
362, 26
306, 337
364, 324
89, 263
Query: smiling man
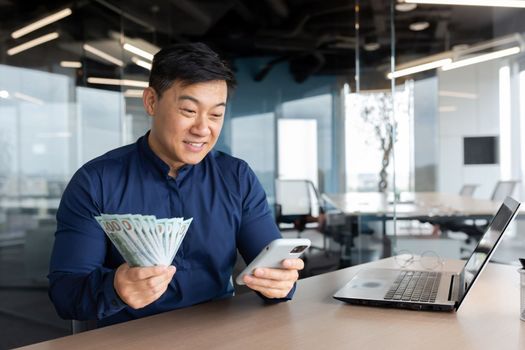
172, 171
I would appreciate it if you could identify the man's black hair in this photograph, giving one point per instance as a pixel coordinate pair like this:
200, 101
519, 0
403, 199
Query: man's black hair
188, 63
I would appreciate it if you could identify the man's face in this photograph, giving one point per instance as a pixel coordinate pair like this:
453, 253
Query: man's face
187, 121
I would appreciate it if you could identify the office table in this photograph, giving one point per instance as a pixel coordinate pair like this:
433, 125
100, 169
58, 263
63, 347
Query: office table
432, 207
488, 319
413, 205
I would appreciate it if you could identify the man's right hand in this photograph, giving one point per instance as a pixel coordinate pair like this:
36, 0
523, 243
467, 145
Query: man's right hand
140, 286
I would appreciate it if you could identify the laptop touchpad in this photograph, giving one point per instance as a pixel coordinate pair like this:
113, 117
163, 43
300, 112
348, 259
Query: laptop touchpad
371, 284
368, 283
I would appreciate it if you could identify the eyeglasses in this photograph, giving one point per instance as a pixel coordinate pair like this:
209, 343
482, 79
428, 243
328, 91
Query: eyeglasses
429, 260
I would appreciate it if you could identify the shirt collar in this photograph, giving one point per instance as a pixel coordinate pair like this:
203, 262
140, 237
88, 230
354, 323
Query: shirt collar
152, 159
158, 164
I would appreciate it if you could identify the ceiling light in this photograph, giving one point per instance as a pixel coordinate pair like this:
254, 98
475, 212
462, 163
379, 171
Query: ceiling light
419, 26
103, 55
419, 68
28, 98
41, 23
70, 64
493, 3
482, 58
4, 94
458, 94
404, 7
371, 46
137, 51
141, 63
122, 82
32, 43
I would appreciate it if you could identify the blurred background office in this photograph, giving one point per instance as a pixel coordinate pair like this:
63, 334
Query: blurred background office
374, 126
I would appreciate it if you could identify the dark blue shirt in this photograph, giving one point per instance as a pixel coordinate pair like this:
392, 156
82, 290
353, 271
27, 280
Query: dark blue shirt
221, 193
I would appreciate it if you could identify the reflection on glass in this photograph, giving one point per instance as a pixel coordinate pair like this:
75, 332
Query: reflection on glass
253, 141
319, 109
100, 118
486, 244
49, 128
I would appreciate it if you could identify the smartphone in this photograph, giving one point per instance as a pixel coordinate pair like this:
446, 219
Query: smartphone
274, 253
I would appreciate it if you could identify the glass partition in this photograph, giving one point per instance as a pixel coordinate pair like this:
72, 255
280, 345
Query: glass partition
58, 113
76, 93
465, 133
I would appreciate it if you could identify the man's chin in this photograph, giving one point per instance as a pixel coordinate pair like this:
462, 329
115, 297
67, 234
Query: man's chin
194, 159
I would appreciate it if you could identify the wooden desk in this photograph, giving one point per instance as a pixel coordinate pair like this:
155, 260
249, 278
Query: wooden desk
488, 319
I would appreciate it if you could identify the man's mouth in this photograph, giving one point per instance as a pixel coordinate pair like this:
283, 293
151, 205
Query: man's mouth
195, 145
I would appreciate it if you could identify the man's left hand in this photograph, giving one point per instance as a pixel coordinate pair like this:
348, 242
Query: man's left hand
275, 283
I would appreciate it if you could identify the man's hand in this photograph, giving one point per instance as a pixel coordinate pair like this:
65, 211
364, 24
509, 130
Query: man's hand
140, 286
275, 283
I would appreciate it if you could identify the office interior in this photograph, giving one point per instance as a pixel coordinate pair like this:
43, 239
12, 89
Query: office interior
384, 124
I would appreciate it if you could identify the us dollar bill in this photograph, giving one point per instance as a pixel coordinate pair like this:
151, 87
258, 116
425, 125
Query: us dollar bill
144, 240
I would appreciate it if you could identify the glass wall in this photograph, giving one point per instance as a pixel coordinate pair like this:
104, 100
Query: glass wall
76, 93
433, 111
55, 118
467, 124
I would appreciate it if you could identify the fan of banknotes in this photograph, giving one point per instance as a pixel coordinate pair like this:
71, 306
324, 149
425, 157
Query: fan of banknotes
144, 240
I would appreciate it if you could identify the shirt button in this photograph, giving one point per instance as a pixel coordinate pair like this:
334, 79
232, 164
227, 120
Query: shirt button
114, 302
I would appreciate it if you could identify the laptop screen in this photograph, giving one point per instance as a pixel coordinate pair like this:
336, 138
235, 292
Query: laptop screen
488, 243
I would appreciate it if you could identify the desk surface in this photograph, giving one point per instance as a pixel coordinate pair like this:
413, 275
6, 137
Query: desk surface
412, 204
488, 319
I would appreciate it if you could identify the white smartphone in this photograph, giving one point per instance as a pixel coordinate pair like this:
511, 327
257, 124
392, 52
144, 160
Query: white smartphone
274, 253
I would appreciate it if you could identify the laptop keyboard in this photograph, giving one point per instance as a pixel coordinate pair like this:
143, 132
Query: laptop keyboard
415, 286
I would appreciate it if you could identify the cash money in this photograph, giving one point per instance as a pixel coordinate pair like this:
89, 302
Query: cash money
144, 240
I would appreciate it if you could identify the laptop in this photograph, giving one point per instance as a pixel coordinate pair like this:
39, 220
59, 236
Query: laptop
428, 290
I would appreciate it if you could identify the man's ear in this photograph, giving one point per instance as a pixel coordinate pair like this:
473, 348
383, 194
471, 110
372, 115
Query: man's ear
150, 100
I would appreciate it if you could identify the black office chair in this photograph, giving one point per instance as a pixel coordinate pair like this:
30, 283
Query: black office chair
300, 206
476, 229
82, 326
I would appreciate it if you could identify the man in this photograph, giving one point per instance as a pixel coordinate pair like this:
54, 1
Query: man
172, 171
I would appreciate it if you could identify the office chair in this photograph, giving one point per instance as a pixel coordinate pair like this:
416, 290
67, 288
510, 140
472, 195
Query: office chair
300, 206
82, 326
467, 190
476, 229
503, 189
297, 205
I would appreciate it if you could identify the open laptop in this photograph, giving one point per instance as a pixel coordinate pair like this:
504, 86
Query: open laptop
428, 290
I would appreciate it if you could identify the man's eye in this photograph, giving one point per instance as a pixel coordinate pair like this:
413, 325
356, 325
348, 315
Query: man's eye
216, 115
188, 111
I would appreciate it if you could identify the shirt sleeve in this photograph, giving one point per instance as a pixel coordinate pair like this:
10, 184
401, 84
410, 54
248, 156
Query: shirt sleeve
80, 286
258, 227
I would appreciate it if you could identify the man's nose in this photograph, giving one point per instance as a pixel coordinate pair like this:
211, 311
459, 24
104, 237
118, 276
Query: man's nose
201, 126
